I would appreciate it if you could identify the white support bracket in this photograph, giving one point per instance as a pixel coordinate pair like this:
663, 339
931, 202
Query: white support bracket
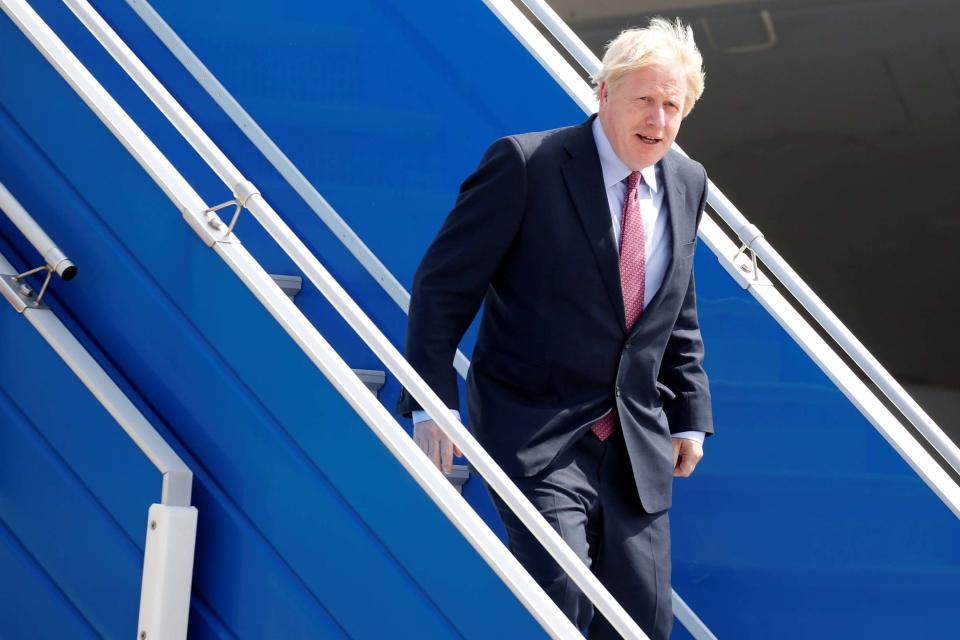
208, 225
18, 294
242, 192
167, 573
743, 266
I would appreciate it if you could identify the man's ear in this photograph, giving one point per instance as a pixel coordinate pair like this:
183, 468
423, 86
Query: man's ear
603, 92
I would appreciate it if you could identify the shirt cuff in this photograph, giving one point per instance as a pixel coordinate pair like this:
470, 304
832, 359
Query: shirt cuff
420, 415
691, 435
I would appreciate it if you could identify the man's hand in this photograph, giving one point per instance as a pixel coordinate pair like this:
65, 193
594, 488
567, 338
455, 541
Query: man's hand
686, 454
438, 447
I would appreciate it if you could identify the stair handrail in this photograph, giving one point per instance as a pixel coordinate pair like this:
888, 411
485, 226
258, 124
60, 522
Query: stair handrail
752, 239
220, 237
57, 262
172, 523
177, 477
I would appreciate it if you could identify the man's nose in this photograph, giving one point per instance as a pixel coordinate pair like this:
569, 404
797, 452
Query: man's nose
657, 117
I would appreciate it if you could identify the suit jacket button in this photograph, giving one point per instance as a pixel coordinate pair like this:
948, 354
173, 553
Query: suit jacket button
618, 392
628, 345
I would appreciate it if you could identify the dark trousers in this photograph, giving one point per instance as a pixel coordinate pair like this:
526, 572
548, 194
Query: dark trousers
589, 497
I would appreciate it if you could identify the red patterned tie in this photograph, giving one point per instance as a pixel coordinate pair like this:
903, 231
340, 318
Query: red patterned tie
633, 278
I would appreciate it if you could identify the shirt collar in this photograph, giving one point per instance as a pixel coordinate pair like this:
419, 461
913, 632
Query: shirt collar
614, 170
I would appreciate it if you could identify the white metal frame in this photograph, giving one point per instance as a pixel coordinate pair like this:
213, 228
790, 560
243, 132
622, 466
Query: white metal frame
216, 234
752, 239
171, 524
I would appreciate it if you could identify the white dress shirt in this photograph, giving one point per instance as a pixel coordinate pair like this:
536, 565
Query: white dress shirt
656, 230
658, 246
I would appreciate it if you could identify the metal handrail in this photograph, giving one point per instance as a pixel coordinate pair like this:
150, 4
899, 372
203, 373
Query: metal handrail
168, 553
752, 239
219, 236
247, 196
177, 477
57, 261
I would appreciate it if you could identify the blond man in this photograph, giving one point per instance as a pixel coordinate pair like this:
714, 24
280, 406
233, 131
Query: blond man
587, 384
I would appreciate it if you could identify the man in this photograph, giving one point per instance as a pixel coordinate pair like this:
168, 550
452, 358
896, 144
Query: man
587, 383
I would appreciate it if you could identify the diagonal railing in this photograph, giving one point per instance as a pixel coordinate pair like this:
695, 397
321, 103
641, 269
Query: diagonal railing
219, 236
172, 524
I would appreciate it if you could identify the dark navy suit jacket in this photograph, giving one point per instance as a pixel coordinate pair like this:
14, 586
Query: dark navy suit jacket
531, 236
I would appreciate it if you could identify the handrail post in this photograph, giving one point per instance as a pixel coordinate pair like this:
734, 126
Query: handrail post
167, 573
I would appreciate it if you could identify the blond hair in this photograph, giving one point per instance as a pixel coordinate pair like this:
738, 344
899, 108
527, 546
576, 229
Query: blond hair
660, 43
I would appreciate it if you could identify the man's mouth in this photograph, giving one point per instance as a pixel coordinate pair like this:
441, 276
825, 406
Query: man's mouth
648, 140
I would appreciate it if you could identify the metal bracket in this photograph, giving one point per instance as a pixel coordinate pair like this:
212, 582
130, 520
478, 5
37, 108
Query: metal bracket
749, 267
244, 191
46, 281
19, 294
743, 265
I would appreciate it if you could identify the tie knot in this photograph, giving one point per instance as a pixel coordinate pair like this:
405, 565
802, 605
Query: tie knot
633, 180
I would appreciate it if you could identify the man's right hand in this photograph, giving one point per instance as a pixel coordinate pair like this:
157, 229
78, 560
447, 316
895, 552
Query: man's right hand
438, 447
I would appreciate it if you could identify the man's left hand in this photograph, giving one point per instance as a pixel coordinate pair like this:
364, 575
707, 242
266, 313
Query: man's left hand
686, 454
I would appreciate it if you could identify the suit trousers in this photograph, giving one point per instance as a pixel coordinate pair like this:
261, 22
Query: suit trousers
589, 497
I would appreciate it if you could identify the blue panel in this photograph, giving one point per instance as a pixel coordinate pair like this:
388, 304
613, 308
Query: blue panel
31, 605
63, 526
801, 521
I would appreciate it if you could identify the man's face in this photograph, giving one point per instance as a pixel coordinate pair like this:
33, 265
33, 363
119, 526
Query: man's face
642, 112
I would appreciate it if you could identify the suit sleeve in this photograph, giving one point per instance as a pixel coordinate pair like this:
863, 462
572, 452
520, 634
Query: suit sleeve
682, 367
453, 277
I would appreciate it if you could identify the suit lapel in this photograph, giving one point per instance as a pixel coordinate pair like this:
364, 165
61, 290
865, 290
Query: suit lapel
584, 179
